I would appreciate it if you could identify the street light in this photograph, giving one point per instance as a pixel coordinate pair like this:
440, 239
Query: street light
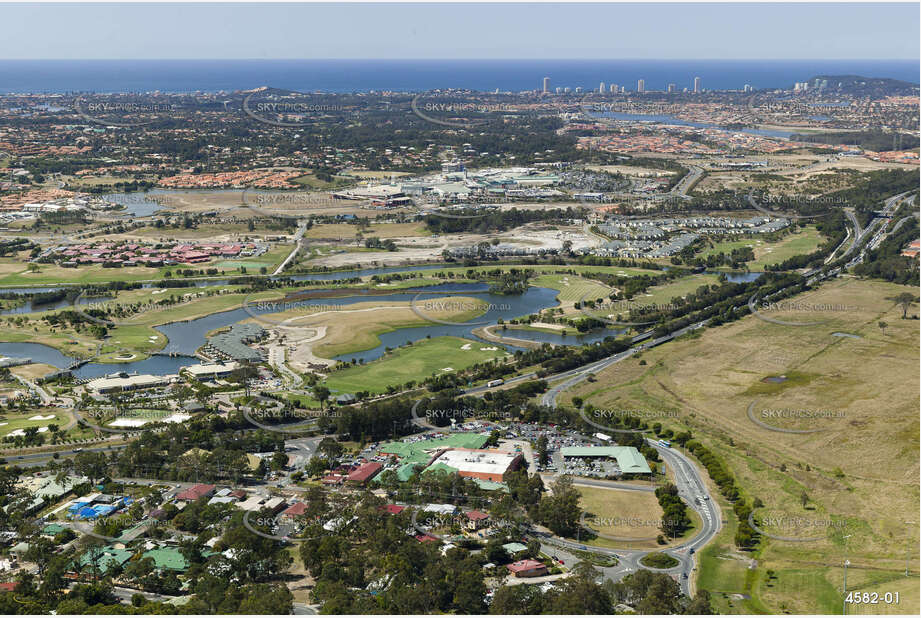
908, 553
846, 563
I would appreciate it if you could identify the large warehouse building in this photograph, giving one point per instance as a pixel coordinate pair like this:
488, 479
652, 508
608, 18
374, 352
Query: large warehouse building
629, 460
487, 465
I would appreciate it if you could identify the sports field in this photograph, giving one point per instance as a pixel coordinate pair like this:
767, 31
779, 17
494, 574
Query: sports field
419, 361
858, 468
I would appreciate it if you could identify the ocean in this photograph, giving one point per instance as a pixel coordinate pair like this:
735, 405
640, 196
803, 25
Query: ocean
102, 76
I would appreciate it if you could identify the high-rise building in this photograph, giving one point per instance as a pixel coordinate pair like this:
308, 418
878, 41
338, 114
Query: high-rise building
578, 89
747, 88
641, 85
546, 85
567, 89
601, 88
614, 89
696, 84
671, 88
558, 90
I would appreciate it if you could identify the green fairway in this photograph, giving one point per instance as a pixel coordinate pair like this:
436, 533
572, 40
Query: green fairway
572, 288
802, 242
416, 362
10, 423
662, 295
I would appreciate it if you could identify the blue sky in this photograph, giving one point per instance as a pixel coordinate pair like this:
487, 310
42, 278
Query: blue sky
559, 31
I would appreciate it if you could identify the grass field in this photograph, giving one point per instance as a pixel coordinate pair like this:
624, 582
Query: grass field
804, 241
356, 327
346, 232
14, 271
572, 289
660, 295
415, 362
13, 422
859, 470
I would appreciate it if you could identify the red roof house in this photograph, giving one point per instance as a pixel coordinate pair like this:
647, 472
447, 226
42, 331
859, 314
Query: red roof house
194, 493
527, 568
363, 474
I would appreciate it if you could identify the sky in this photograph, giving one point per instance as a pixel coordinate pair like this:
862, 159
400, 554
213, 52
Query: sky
461, 31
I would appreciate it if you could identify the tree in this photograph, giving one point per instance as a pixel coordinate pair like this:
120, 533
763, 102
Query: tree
543, 457
321, 394
905, 300
279, 460
561, 512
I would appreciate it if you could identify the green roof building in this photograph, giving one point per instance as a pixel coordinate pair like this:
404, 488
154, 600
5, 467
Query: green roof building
53, 529
104, 559
421, 452
629, 460
167, 558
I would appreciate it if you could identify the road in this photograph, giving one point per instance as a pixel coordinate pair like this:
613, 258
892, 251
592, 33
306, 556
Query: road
301, 230
578, 375
687, 183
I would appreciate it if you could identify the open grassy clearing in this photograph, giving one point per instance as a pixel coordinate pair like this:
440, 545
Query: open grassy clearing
346, 232
805, 241
660, 295
15, 271
421, 360
356, 327
860, 470
10, 423
32, 371
572, 289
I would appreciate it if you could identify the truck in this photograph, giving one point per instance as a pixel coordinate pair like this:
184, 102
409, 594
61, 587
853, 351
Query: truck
493, 383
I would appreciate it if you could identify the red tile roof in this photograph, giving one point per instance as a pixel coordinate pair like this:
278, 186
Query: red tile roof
366, 472
476, 515
296, 509
525, 565
196, 492
393, 509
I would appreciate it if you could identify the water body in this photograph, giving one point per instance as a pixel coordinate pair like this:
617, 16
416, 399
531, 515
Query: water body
734, 277
187, 336
29, 306
668, 119
40, 353
36, 76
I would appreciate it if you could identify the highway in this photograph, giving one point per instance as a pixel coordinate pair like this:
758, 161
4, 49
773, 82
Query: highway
687, 477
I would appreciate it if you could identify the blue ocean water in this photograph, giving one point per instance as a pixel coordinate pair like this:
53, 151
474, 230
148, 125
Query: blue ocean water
38, 76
